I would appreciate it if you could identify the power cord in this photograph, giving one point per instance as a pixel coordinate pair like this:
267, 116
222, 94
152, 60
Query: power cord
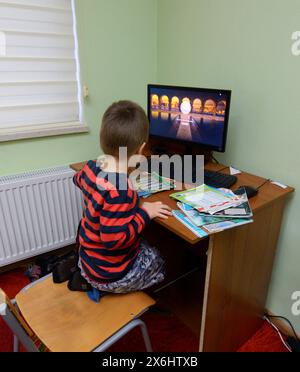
263, 184
279, 333
221, 170
215, 160
287, 321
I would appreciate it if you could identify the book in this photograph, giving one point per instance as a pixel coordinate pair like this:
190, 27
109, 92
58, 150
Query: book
146, 184
206, 199
196, 217
243, 211
208, 229
226, 225
185, 221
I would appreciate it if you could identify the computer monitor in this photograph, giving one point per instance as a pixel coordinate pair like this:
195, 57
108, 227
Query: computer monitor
194, 116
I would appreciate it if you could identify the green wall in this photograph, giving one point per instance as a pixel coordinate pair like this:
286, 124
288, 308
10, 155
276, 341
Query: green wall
246, 46
118, 50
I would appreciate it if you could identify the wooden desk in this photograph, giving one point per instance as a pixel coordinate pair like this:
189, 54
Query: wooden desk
239, 266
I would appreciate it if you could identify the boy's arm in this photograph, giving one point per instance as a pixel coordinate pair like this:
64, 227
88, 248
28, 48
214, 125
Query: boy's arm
122, 220
77, 179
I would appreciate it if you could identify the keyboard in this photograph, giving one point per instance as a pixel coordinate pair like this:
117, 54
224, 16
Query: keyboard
213, 179
219, 180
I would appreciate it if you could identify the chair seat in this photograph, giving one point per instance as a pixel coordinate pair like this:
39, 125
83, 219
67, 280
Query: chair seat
69, 322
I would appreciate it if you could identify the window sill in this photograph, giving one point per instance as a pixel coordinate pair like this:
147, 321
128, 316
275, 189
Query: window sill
39, 131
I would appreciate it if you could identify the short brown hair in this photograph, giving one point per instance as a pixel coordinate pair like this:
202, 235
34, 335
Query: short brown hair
124, 124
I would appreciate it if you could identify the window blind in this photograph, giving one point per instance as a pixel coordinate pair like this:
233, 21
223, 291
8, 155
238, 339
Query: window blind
39, 71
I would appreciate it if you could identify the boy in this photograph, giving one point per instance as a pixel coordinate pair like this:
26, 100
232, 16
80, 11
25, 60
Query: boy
112, 256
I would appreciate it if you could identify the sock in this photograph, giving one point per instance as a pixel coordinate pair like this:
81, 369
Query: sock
95, 295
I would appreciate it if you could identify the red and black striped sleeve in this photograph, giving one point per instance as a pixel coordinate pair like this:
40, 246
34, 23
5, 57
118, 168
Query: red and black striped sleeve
77, 179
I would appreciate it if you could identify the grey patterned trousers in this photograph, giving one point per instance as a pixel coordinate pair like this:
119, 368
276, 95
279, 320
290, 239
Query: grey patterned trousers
147, 271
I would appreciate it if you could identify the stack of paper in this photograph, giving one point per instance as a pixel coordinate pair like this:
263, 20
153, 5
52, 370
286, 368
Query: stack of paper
209, 200
213, 210
146, 184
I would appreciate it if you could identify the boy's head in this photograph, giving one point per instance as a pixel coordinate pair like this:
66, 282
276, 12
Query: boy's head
124, 124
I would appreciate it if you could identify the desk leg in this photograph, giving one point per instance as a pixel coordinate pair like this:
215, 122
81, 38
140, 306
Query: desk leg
238, 273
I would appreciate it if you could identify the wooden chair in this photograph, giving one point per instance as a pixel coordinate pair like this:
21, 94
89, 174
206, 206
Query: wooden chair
67, 321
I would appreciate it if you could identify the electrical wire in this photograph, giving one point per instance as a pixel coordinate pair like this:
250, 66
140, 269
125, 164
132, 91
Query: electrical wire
279, 333
215, 160
263, 184
287, 321
221, 170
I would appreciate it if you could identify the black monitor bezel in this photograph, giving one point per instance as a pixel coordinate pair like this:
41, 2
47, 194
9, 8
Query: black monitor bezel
194, 89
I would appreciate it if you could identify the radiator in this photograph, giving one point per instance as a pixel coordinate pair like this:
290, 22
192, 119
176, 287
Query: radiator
39, 212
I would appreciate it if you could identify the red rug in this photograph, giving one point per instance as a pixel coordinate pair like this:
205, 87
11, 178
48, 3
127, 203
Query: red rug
11, 283
167, 333
266, 340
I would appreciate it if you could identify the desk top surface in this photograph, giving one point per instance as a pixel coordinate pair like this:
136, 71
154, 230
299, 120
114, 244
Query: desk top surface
267, 194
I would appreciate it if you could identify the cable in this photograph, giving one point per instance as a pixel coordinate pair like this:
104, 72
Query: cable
286, 320
263, 184
279, 333
221, 170
215, 160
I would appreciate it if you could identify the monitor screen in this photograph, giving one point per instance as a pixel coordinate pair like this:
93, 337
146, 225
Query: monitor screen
191, 115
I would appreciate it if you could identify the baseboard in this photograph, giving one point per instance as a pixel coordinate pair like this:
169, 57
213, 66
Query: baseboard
282, 325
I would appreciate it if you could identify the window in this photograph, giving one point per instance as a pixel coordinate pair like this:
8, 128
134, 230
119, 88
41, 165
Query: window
40, 89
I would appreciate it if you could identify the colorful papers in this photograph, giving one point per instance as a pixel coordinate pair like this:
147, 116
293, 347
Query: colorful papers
206, 199
195, 217
210, 200
185, 221
147, 184
225, 225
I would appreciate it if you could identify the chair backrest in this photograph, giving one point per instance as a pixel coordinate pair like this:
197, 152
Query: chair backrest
17, 324
7, 306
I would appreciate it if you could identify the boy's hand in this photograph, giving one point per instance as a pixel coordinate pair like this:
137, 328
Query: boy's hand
157, 210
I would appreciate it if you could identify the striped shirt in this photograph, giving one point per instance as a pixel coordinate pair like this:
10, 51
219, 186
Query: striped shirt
109, 233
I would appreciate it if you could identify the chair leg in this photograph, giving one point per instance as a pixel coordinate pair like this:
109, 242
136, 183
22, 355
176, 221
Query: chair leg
20, 333
146, 337
16, 344
122, 332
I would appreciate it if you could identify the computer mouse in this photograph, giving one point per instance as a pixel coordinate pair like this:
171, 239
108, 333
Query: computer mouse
250, 191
